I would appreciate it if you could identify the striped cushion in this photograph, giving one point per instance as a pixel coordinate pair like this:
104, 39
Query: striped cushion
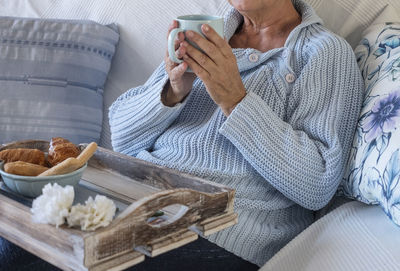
52, 75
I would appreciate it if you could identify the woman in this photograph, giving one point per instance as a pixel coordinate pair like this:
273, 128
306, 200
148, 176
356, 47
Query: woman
270, 112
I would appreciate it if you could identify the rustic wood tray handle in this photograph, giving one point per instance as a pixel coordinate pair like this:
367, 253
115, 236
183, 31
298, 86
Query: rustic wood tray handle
199, 206
131, 229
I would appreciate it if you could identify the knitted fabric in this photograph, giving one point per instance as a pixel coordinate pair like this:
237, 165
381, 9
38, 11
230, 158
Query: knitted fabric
284, 146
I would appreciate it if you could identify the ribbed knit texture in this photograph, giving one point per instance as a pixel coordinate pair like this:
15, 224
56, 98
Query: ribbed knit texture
284, 146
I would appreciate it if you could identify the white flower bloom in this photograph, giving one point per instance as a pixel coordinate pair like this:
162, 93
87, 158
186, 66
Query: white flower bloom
53, 206
94, 214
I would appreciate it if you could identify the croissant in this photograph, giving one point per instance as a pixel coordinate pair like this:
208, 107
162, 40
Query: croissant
33, 156
61, 149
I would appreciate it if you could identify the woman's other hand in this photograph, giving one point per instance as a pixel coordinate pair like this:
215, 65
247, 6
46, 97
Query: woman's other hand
217, 68
180, 83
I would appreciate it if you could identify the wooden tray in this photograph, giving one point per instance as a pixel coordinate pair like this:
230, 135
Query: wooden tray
191, 206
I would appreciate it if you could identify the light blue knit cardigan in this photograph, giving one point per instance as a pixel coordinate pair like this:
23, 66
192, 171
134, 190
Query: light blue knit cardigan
283, 148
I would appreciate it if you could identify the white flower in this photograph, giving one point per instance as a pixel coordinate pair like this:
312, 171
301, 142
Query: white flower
53, 206
94, 214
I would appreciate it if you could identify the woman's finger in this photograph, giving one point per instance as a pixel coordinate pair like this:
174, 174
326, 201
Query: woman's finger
169, 64
178, 71
179, 53
208, 47
179, 38
202, 59
197, 69
216, 39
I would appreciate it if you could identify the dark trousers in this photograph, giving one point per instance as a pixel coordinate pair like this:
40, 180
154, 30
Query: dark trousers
196, 256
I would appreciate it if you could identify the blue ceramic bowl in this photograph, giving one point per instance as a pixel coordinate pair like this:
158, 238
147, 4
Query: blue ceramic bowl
31, 186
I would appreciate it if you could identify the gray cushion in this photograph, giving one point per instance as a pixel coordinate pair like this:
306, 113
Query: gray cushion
52, 75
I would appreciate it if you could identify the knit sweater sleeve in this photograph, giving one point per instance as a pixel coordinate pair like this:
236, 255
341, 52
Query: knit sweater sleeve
138, 116
304, 155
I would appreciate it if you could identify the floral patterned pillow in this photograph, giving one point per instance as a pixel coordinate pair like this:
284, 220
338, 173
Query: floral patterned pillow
373, 176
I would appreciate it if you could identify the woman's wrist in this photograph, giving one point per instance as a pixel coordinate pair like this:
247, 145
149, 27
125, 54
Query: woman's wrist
168, 97
230, 105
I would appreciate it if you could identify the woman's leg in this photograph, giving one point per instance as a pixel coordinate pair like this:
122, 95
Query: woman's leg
198, 255
14, 258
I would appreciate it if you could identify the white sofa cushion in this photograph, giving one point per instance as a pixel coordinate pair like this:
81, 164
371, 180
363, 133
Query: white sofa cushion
354, 236
349, 18
143, 25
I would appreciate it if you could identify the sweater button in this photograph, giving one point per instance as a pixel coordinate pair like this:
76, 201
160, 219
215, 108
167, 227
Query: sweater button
253, 57
290, 78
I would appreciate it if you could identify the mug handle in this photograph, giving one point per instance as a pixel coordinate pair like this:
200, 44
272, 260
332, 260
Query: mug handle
171, 45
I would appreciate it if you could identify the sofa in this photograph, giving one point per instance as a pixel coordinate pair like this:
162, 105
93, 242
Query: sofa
348, 235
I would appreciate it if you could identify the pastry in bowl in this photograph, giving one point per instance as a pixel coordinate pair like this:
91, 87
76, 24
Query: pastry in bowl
33, 156
66, 162
60, 149
31, 186
24, 168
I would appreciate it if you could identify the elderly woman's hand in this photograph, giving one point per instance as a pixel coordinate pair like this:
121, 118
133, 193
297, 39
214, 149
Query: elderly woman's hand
180, 83
217, 68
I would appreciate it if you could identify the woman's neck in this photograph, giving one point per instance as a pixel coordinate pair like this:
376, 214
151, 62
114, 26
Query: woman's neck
266, 28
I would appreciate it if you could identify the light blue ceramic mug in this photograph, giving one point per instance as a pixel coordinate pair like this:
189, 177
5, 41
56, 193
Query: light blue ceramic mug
194, 23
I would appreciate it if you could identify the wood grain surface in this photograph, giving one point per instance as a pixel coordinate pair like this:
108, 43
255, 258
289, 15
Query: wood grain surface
190, 204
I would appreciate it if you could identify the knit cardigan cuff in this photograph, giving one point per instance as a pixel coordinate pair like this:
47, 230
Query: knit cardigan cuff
258, 133
247, 117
